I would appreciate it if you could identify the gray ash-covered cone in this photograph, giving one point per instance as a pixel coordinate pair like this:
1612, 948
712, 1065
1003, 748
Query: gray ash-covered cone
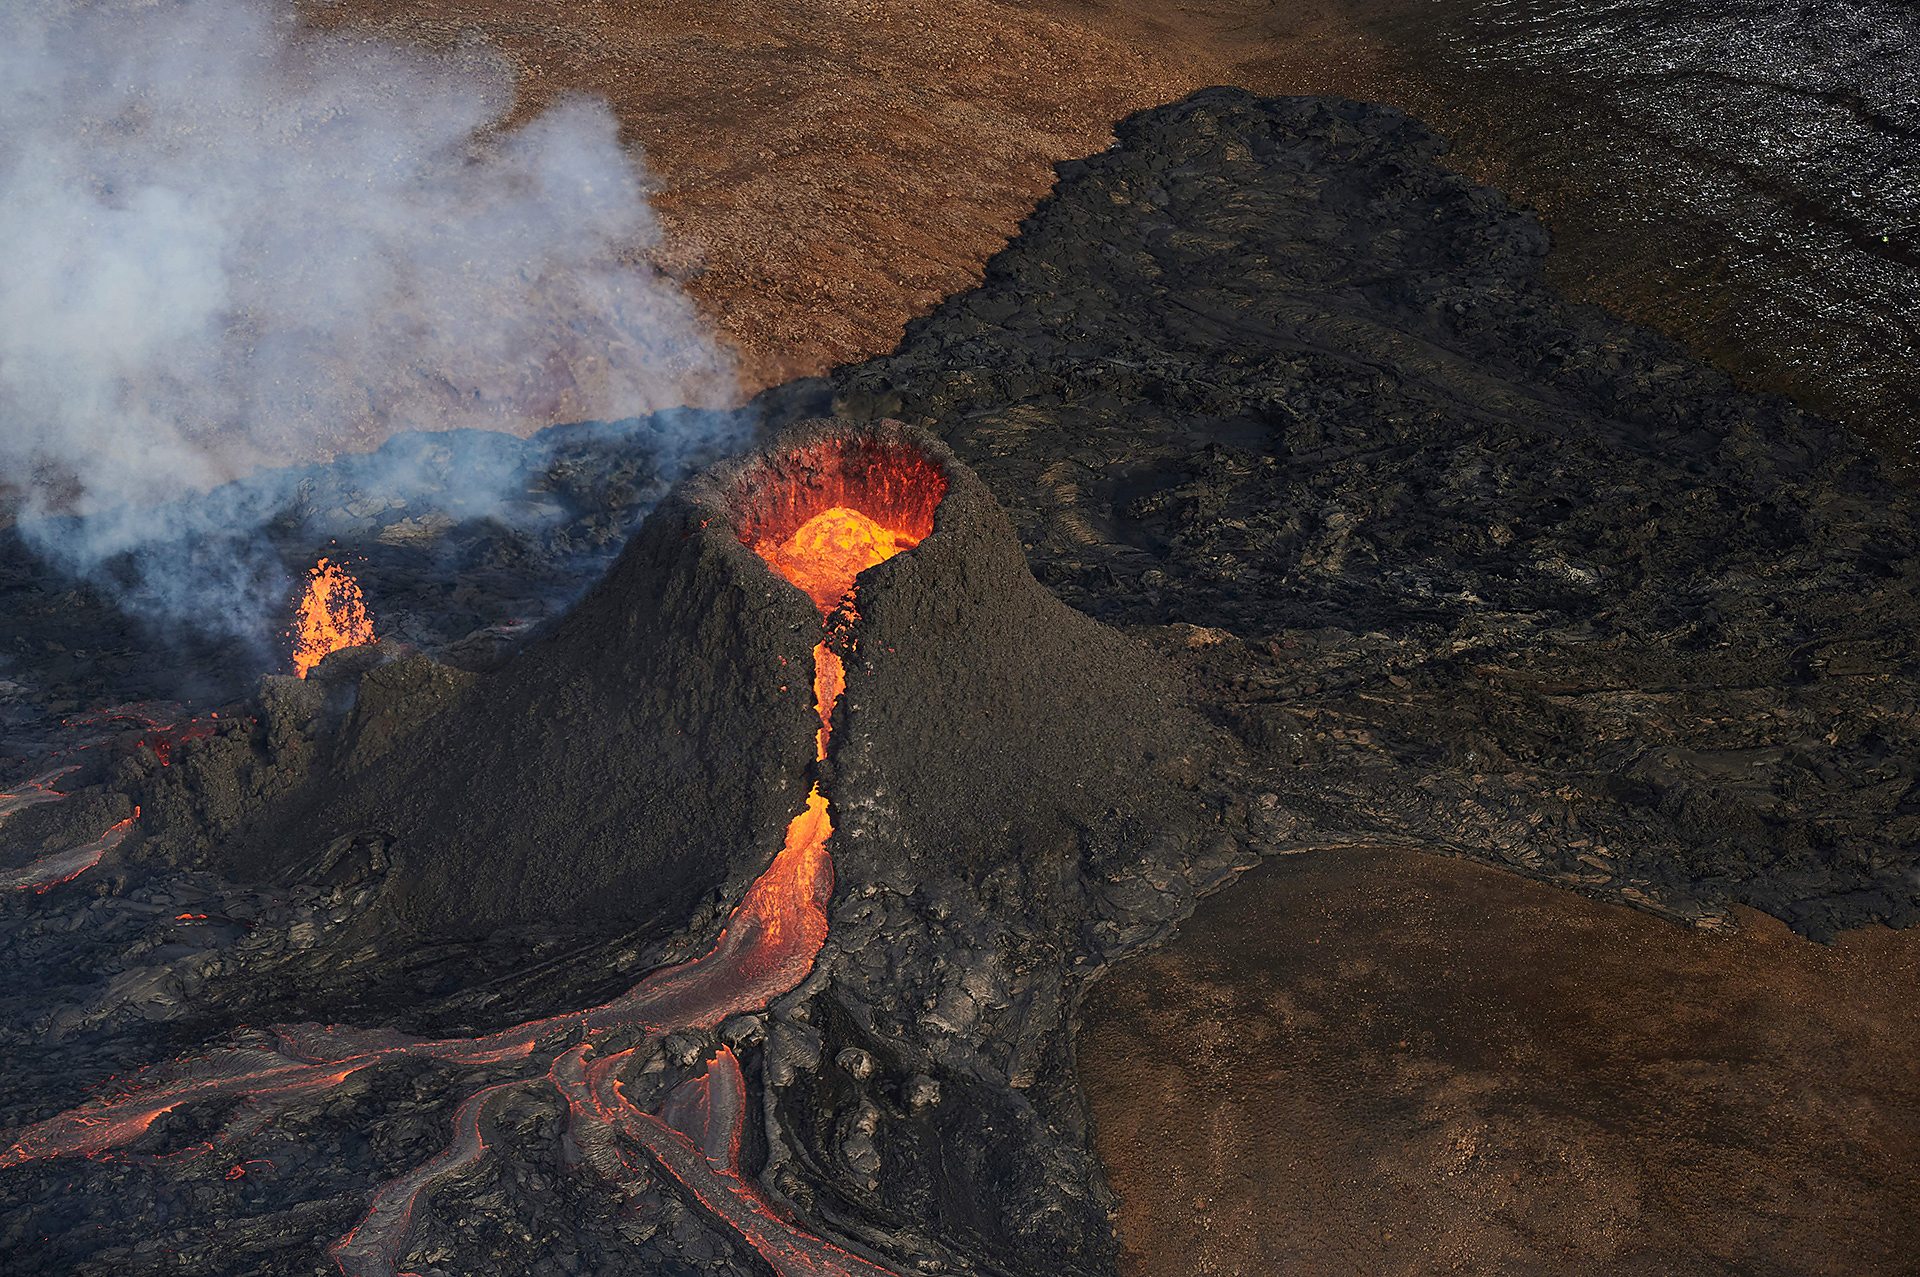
987, 728
1019, 795
642, 755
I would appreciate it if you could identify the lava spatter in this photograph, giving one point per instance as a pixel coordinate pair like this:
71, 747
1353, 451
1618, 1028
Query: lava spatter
826, 553
331, 615
767, 947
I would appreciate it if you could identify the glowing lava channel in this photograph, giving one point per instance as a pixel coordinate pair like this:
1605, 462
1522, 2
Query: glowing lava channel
767, 947
50, 871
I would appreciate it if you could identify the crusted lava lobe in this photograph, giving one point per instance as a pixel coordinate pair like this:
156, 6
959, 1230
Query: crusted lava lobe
1464, 567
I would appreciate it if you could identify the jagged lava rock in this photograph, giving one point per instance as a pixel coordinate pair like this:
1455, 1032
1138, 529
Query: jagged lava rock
1495, 574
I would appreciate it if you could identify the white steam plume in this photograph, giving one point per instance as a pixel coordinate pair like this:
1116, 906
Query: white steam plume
226, 241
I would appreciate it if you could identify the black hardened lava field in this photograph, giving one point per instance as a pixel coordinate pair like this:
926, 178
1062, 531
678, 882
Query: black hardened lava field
709, 882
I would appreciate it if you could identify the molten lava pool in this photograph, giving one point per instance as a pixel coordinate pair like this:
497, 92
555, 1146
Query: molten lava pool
828, 551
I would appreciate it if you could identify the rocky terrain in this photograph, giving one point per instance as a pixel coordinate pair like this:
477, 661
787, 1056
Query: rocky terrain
1439, 559
1312, 401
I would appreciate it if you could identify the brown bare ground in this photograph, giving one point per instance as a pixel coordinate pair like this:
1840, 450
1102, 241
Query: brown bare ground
828, 170
1375, 1062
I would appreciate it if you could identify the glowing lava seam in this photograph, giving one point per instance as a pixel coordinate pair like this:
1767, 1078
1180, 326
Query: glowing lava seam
767, 947
50, 871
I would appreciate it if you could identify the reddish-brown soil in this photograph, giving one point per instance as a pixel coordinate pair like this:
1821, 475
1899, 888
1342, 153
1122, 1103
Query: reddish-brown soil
1380, 1062
828, 170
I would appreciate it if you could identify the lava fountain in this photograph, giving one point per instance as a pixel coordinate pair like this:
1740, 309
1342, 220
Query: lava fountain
818, 519
331, 615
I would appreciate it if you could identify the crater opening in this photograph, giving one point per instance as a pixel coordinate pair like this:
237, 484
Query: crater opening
827, 511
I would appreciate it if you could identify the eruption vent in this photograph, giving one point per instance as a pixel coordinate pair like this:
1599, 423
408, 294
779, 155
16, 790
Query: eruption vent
332, 615
831, 510
878, 500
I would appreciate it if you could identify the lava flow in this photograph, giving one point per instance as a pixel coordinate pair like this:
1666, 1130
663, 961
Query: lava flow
825, 554
51, 870
33, 792
332, 615
819, 537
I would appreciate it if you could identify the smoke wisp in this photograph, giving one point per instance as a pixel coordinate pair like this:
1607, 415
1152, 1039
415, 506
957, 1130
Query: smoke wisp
228, 242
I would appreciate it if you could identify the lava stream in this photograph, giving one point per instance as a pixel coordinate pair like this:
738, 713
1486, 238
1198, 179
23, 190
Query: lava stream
372, 1247
50, 871
33, 792
697, 1141
766, 948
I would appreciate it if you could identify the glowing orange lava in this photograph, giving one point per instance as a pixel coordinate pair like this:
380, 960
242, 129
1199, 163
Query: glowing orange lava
829, 680
50, 871
827, 512
822, 556
826, 552
332, 615
819, 531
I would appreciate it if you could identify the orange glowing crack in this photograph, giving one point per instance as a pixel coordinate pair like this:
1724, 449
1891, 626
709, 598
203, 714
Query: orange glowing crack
332, 615
50, 871
33, 792
767, 947
829, 680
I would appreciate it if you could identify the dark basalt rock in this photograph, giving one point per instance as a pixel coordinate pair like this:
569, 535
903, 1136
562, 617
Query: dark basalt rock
1480, 570
1019, 794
